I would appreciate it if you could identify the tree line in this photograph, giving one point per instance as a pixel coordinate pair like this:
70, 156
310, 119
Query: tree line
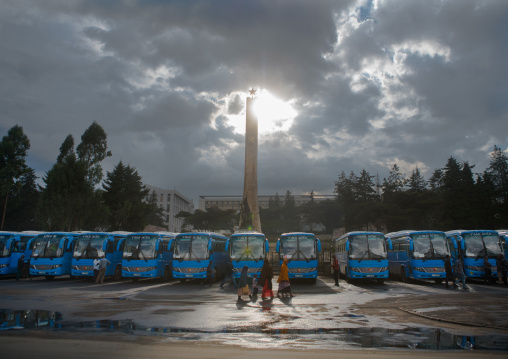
71, 198
453, 197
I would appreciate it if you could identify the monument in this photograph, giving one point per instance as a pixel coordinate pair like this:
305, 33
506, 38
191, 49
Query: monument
249, 212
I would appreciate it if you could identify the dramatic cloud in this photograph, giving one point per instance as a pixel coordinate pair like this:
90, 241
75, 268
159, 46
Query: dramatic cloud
353, 85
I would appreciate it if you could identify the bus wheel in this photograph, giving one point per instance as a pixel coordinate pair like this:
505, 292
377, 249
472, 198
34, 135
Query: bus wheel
438, 280
50, 277
403, 275
118, 273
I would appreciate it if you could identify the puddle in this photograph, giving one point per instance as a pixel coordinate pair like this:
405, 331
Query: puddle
415, 338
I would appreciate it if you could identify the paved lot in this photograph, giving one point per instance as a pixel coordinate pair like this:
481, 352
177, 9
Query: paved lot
362, 315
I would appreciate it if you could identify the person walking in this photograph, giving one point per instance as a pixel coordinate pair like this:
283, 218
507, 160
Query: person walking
283, 280
96, 263
243, 283
265, 279
458, 268
487, 278
21, 265
502, 268
255, 288
449, 271
103, 264
228, 276
335, 268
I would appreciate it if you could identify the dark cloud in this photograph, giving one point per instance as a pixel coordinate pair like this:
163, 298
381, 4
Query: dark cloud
373, 83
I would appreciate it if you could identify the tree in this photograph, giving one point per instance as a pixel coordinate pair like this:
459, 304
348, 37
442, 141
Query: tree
22, 204
155, 215
416, 182
212, 219
124, 195
13, 151
67, 194
498, 175
92, 150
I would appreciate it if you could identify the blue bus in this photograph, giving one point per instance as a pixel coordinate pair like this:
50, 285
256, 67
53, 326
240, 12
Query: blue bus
7, 240
23, 245
472, 246
148, 255
195, 250
362, 255
247, 248
417, 255
96, 245
52, 254
301, 250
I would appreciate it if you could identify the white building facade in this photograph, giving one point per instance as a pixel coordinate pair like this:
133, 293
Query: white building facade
171, 202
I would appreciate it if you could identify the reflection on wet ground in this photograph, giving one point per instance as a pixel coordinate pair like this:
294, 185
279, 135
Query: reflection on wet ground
269, 334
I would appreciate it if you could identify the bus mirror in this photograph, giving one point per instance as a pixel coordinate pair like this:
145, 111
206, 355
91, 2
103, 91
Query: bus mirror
277, 248
347, 246
454, 242
157, 246
267, 246
227, 245
390, 246
210, 245
318, 245
170, 243
411, 246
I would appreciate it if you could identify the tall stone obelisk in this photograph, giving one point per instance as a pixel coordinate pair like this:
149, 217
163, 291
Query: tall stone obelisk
249, 213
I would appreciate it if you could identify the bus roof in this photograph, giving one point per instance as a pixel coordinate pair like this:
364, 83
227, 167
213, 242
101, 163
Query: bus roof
201, 233
297, 233
409, 232
354, 233
461, 231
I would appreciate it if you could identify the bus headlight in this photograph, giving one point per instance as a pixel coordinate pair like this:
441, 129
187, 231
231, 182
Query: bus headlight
3, 265
178, 270
311, 270
201, 270
236, 270
419, 269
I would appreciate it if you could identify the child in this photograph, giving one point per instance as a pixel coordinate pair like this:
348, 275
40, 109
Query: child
255, 285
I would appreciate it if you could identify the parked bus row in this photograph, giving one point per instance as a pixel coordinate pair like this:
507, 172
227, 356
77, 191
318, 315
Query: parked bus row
154, 255
405, 254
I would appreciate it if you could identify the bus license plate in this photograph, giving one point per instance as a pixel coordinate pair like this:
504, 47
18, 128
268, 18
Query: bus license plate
369, 276
188, 275
435, 275
136, 275
298, 276
42, 273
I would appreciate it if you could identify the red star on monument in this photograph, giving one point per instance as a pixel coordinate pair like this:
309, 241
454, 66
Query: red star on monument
252, 92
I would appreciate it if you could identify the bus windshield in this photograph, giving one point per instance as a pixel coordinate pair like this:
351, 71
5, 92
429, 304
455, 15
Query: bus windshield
90, 246
367, 246
140, 247
299, 247
47, 246
429, 246
191, 247
5, 247
479, 244
247, 247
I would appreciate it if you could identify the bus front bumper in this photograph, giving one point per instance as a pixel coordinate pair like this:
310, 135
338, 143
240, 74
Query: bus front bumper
358, 275
183, 275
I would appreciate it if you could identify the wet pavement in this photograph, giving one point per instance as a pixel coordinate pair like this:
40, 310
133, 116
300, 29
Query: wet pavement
415, 316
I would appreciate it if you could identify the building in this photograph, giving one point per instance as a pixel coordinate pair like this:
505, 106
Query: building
172, 202
235, 202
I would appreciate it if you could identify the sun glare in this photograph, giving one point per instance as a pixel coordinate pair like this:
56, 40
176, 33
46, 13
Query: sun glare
273, 114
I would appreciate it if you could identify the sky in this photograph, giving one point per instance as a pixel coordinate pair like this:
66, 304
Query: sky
341, 86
